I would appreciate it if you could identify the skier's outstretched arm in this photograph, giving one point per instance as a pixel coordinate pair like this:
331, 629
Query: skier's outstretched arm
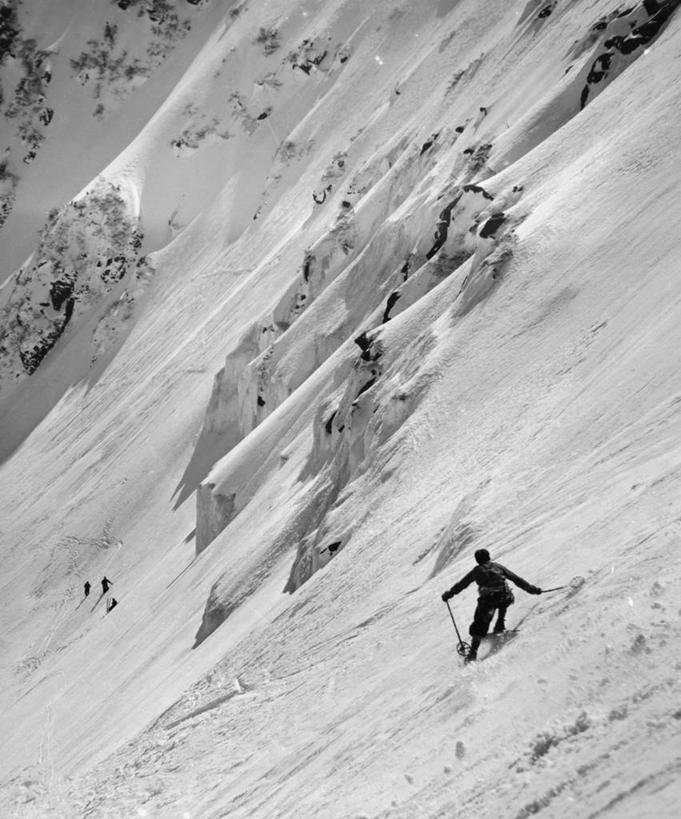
460, 586
523, 584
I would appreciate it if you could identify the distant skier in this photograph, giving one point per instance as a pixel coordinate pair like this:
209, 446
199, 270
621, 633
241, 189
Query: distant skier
110, 604
86, 588
494, 594
106, 583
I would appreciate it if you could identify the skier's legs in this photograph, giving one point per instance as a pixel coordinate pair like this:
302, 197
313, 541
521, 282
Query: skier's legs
482, 618
484, 614
500, 625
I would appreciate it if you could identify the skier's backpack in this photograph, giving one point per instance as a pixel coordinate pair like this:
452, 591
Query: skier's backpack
493, 586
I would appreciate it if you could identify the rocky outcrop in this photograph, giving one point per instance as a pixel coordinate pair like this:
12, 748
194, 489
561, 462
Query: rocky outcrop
624, 39
89, 251
111, 70
612, 44
27, 113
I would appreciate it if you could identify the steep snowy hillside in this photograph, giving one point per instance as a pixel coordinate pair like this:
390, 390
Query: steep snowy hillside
301, 303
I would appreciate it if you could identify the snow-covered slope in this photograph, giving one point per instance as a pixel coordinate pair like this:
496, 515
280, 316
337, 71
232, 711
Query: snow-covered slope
304, 302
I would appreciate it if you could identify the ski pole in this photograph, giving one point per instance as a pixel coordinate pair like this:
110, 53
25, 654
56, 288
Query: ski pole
575, 584
462, 648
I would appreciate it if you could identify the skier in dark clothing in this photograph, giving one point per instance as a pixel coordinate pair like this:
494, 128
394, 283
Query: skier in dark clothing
494, 594
86, 588
110, 604
105, 584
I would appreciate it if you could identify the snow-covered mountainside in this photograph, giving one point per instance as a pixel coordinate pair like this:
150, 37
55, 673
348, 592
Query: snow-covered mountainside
301, 303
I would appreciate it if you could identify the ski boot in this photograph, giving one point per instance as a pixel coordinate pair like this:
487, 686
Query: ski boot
472, 655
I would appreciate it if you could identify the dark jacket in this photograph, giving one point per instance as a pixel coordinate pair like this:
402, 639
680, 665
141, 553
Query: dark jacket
491, 579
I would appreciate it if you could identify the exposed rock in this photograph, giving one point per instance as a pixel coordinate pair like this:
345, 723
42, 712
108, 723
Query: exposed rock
68, 278
630, 32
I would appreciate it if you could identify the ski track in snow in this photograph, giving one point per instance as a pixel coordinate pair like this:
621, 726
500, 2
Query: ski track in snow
301, 304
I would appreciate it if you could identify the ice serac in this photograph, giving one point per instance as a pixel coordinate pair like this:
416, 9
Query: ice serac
384, 251
214, 512
393, 268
